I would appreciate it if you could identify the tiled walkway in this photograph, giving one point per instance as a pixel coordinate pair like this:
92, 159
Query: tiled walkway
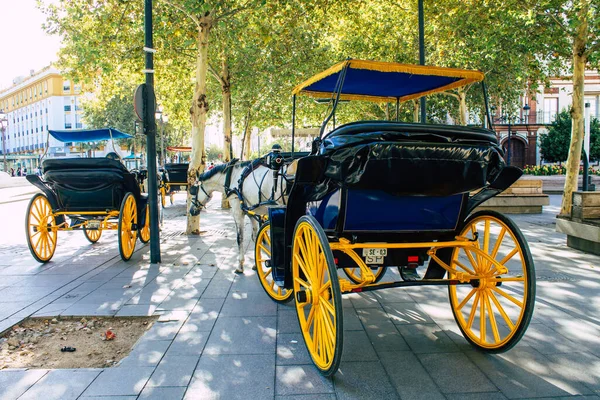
220, 336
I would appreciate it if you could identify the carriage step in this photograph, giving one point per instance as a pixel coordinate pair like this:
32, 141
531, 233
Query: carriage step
409, 273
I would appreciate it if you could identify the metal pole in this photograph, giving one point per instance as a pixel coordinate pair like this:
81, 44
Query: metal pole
422, 55
586, 148
150, 128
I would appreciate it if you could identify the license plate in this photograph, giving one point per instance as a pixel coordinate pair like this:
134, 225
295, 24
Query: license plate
93, 224
374, 256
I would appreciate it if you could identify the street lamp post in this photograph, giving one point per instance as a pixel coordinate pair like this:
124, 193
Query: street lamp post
3, 126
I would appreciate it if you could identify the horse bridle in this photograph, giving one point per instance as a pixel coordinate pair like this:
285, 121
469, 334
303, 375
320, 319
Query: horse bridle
196, 205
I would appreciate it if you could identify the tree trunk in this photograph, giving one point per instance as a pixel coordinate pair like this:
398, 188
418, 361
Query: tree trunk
226, 89
246, 125
462, 106
248, 136
579, 61
198, 113
416, 112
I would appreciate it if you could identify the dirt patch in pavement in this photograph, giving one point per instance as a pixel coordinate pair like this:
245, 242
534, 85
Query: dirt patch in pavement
37, 342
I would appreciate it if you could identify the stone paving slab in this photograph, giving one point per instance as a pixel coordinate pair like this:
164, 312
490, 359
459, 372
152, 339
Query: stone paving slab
220, 336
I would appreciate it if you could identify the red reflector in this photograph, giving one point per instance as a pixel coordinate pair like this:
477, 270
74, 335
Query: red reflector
357, 290
413, 258
335, 260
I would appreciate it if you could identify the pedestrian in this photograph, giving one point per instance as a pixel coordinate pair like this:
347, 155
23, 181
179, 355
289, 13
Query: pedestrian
12, 171
39, 170
18, 171
24, 171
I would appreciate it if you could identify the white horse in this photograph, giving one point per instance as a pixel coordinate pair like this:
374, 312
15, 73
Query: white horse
255, 188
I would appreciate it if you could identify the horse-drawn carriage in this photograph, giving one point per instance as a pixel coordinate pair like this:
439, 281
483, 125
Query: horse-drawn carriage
174, 176
379, 194
87, 194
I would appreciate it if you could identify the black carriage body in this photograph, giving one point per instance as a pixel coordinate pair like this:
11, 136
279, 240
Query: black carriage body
88, 185
393, 182
175, 175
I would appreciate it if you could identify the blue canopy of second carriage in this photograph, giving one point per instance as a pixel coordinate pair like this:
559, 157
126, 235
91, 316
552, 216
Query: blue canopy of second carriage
88, 135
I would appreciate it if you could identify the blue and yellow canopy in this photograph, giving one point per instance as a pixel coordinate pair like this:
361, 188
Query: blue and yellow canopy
385, 81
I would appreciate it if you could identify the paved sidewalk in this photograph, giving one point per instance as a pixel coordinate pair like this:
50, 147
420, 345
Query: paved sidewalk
220, 337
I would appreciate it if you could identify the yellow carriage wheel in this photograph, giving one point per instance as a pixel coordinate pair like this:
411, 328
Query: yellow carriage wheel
41, 228
127, 229
264, 270
145, 231
163, 197
355, 274
92, 235
494, 311
318, 296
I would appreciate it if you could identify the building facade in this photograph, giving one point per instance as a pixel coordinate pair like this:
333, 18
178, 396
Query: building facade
528, 125
34, 104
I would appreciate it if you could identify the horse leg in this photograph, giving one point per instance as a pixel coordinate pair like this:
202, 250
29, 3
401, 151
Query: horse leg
255, 227
238, 217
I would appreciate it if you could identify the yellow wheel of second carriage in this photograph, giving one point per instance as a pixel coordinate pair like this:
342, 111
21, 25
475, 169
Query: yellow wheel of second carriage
92, 235
264, 270
41, 229
163, 197
145, 231
318, 296
494, 311
127, 230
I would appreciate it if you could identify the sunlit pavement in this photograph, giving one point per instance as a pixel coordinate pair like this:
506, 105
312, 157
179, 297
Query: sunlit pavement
220, 336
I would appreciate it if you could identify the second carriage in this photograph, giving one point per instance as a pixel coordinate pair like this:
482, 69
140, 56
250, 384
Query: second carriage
92, 195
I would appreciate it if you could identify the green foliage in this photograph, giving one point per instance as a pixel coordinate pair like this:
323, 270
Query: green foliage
214, 153
554, 146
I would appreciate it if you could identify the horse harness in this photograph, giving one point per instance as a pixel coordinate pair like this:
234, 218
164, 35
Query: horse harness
271, 161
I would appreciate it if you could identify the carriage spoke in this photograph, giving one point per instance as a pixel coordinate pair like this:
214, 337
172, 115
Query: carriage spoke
509, 256
486, 237
268, 272
493, 323
303, 268
310, 318
267, 239
329, 334
327, 305
473, 310
471, 259
507, 296
462, 304
325, 287
502, 311
265, 249
467, 269
302, 283
497, 245
482, 319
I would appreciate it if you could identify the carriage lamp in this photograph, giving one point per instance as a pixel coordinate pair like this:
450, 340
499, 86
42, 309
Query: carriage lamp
3, 126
